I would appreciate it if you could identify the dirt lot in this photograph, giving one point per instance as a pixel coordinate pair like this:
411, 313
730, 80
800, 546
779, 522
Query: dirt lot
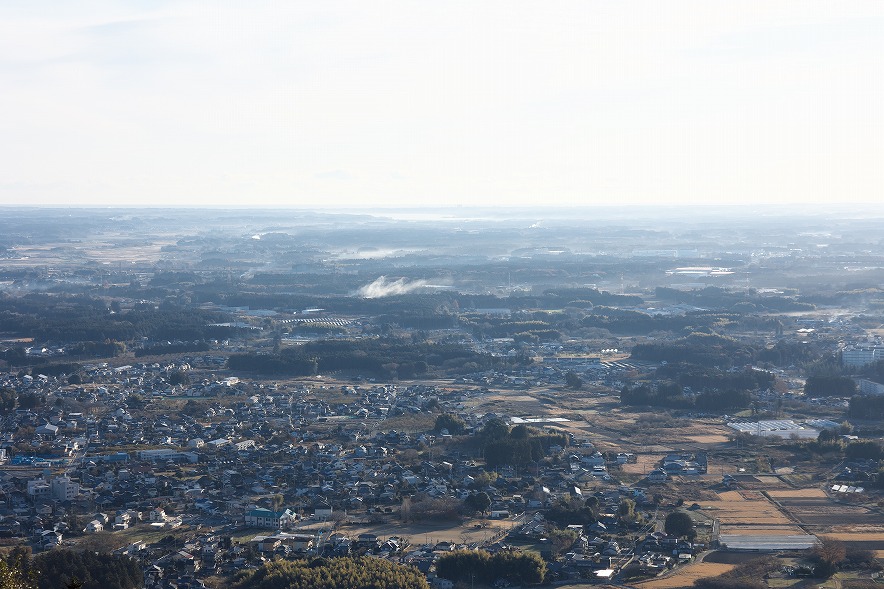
709, 438
644, 464
535, 402
426, 533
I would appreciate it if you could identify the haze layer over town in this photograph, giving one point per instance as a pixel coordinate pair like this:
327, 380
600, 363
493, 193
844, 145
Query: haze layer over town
643, 396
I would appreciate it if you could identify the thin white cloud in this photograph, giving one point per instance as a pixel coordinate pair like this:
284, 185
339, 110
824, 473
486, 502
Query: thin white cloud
386, 288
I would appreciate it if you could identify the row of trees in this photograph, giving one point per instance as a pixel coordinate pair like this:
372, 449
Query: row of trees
518, 446
574, 510
11, 400
703, 349
71, 569
451, 423
64, 318
866, 407
670, 395
874, 371
626, 322
700, 378
478, 566
388, 357
829, 386
707, 350
713, 297
334, 573
179, 348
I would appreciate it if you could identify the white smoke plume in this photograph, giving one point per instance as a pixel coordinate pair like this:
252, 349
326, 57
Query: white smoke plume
385, 288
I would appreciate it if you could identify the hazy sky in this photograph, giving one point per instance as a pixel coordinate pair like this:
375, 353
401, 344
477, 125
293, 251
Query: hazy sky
389, 103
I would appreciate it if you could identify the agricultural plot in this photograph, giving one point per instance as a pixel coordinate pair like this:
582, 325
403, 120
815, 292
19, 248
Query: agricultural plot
865, 540
746, 509
685, 576
780, 494
749, 520
782, 518
710, 439
760, 482
823, 512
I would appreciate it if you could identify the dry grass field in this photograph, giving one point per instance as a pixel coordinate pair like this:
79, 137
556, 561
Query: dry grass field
748, 512
685, 576
779, 494
868, 540
425, 532
771, 482
708, 438
644, 464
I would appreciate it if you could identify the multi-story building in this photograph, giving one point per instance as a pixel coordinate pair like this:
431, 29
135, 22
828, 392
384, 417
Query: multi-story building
854, 356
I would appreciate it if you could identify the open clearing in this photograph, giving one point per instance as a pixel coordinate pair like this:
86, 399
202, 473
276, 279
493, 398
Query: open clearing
709, 439
425, 532
644, 464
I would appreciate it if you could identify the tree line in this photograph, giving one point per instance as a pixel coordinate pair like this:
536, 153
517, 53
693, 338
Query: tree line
79, 318
387, 357
58, 569
332, 573
866, 407
518, 446
704, 349
705, 378
670, 395
478, 566
713, 297
829, 386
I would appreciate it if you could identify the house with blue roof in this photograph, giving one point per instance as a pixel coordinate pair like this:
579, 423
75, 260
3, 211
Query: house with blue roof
265, 518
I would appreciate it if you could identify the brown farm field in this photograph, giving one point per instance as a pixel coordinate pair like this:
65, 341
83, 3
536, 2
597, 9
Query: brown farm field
822, 511
781, 494
684, 576
743, 508
867, 540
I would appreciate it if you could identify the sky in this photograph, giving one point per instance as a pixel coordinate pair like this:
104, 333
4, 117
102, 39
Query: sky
446, 103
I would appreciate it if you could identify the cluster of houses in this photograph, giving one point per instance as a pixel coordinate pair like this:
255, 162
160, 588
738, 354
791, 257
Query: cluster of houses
600, 548
269, 457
